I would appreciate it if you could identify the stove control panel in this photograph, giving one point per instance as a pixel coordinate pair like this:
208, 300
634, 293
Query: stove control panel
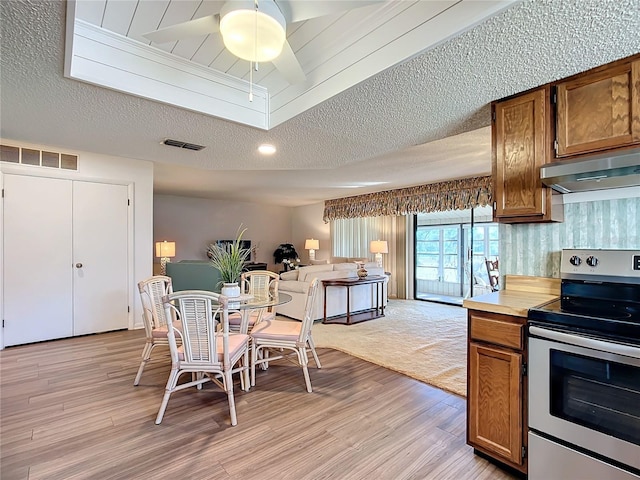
601, 262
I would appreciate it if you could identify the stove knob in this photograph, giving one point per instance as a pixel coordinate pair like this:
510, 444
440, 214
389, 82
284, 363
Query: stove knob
575, 260
592, 261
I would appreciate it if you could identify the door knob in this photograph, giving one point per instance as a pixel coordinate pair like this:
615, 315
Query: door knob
78, 265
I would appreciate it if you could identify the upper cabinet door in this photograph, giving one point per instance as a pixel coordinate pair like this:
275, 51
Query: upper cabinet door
520, 147
599, 110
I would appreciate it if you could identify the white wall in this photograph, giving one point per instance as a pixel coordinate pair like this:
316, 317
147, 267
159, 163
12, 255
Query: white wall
306, 222
138, 174
194, 223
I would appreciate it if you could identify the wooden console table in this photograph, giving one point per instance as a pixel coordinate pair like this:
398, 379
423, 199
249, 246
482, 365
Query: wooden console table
362, 315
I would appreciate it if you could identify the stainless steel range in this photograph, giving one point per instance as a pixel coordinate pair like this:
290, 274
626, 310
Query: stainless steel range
584, 371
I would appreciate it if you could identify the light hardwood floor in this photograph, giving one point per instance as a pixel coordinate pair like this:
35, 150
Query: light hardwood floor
69, 410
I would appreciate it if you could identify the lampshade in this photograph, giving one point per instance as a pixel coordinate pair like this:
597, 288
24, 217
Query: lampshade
379, 246
257, 35
165, 249
311, 244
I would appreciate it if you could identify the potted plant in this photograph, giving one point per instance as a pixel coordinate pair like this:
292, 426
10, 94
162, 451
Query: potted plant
286, 254
229, 260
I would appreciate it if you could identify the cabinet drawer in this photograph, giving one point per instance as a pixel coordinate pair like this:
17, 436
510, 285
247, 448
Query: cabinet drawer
498, 332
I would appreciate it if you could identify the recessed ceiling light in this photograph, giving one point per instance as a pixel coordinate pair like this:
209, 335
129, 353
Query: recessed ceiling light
267, 149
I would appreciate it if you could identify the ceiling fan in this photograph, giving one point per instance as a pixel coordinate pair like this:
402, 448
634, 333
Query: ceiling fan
255, 30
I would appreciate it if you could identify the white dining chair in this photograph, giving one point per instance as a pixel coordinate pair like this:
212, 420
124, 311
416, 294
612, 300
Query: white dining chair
270, 340
152, 291
212, 354
261, 285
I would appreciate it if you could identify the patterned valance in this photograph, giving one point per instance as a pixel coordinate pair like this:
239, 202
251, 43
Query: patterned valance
434, 197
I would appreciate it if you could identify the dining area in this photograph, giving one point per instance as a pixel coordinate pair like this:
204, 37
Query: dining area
226, 341
69, 410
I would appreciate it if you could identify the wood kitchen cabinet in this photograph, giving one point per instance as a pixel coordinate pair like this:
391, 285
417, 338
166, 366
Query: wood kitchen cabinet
594, 111
521, 144
599, 109
496, 388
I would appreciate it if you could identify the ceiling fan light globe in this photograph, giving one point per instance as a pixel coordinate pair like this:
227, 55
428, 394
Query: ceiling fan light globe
240, 27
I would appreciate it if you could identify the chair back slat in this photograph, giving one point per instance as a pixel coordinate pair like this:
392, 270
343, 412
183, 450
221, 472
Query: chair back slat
199, 329
198, 310
307, 321
260, 283
152, 291
157, 290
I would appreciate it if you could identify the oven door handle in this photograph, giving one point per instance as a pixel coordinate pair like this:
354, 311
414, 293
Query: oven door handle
586, 342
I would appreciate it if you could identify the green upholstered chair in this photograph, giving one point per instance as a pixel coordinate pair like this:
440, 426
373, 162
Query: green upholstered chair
193, 275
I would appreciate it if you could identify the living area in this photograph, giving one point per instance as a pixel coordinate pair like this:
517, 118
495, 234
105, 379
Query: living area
194, 223
423, 340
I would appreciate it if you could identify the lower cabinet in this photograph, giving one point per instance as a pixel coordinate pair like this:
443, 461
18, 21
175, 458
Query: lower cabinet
496, 390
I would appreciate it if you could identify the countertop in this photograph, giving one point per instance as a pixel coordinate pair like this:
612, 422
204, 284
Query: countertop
521, 294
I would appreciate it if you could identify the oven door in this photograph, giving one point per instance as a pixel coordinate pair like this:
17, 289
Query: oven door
585, 392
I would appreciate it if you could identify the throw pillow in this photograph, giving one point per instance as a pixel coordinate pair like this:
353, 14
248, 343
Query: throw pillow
306, 273
335, 260
290, 275
359, 260
318, 262
294, 286
345, 266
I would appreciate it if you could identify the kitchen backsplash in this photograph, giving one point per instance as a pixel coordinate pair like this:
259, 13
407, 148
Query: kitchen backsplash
534, 249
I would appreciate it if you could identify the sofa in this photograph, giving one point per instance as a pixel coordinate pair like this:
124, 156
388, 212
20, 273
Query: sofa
296, 282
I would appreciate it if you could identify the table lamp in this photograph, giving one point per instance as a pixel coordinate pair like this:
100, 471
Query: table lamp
379, 247
312, 245
165, 250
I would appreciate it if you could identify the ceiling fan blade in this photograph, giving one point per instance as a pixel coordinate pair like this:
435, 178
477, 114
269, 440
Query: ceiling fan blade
193, 28
287, 64
299, 10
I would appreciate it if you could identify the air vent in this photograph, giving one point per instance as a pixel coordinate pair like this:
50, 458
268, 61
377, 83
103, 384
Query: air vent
38, 158
179, 144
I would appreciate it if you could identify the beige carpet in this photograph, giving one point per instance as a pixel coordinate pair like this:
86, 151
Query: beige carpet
423, 340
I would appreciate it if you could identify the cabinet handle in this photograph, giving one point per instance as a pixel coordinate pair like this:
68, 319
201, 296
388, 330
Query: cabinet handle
78, 265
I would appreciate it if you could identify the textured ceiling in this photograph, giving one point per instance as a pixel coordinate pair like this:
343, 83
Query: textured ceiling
375, 134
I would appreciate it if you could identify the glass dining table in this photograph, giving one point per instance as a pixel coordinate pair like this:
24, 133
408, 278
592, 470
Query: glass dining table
245, 304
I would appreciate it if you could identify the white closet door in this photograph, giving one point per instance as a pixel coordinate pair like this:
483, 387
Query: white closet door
100, 257
38, 273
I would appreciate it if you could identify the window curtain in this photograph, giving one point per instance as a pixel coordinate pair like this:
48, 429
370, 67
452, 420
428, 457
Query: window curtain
350, 237
434, 197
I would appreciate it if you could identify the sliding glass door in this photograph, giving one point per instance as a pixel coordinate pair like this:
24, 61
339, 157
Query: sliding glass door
443, 260
438, 253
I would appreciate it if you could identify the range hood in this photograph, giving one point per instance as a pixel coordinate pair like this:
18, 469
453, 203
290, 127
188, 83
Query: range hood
596, 172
